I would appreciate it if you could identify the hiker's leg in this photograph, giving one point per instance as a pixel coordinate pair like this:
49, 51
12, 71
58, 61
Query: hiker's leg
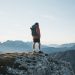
34, 46
39, 45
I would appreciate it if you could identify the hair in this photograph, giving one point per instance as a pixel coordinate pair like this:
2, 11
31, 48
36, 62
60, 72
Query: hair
36, 23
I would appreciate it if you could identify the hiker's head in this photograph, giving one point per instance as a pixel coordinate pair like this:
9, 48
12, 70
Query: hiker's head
37, 24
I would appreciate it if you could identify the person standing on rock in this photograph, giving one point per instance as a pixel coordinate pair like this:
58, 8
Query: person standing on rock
36, 35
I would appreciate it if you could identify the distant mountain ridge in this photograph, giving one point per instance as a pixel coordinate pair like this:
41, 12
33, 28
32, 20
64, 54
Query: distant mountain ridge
15, 46
20, 46
62, 45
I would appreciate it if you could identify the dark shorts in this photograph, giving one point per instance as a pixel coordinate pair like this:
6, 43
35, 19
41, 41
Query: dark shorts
36, 40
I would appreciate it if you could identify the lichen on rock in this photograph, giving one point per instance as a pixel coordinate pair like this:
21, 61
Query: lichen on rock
35, 63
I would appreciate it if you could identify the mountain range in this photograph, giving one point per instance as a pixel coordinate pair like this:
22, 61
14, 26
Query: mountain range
62, 45
20, 46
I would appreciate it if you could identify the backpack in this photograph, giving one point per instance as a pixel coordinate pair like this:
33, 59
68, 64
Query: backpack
33, 30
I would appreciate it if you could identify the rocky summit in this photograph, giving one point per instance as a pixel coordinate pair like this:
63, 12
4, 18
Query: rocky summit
33, 63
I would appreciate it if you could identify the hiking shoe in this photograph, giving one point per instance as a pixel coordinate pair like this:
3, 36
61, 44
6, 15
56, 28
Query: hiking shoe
40, 52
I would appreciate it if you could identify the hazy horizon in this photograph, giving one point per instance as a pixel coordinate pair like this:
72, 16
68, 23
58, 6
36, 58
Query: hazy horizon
56, 19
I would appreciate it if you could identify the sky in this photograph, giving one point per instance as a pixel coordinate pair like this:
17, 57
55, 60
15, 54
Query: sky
55, 17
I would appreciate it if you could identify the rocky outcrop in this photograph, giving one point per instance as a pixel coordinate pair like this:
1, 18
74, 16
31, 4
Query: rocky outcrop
35, 63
